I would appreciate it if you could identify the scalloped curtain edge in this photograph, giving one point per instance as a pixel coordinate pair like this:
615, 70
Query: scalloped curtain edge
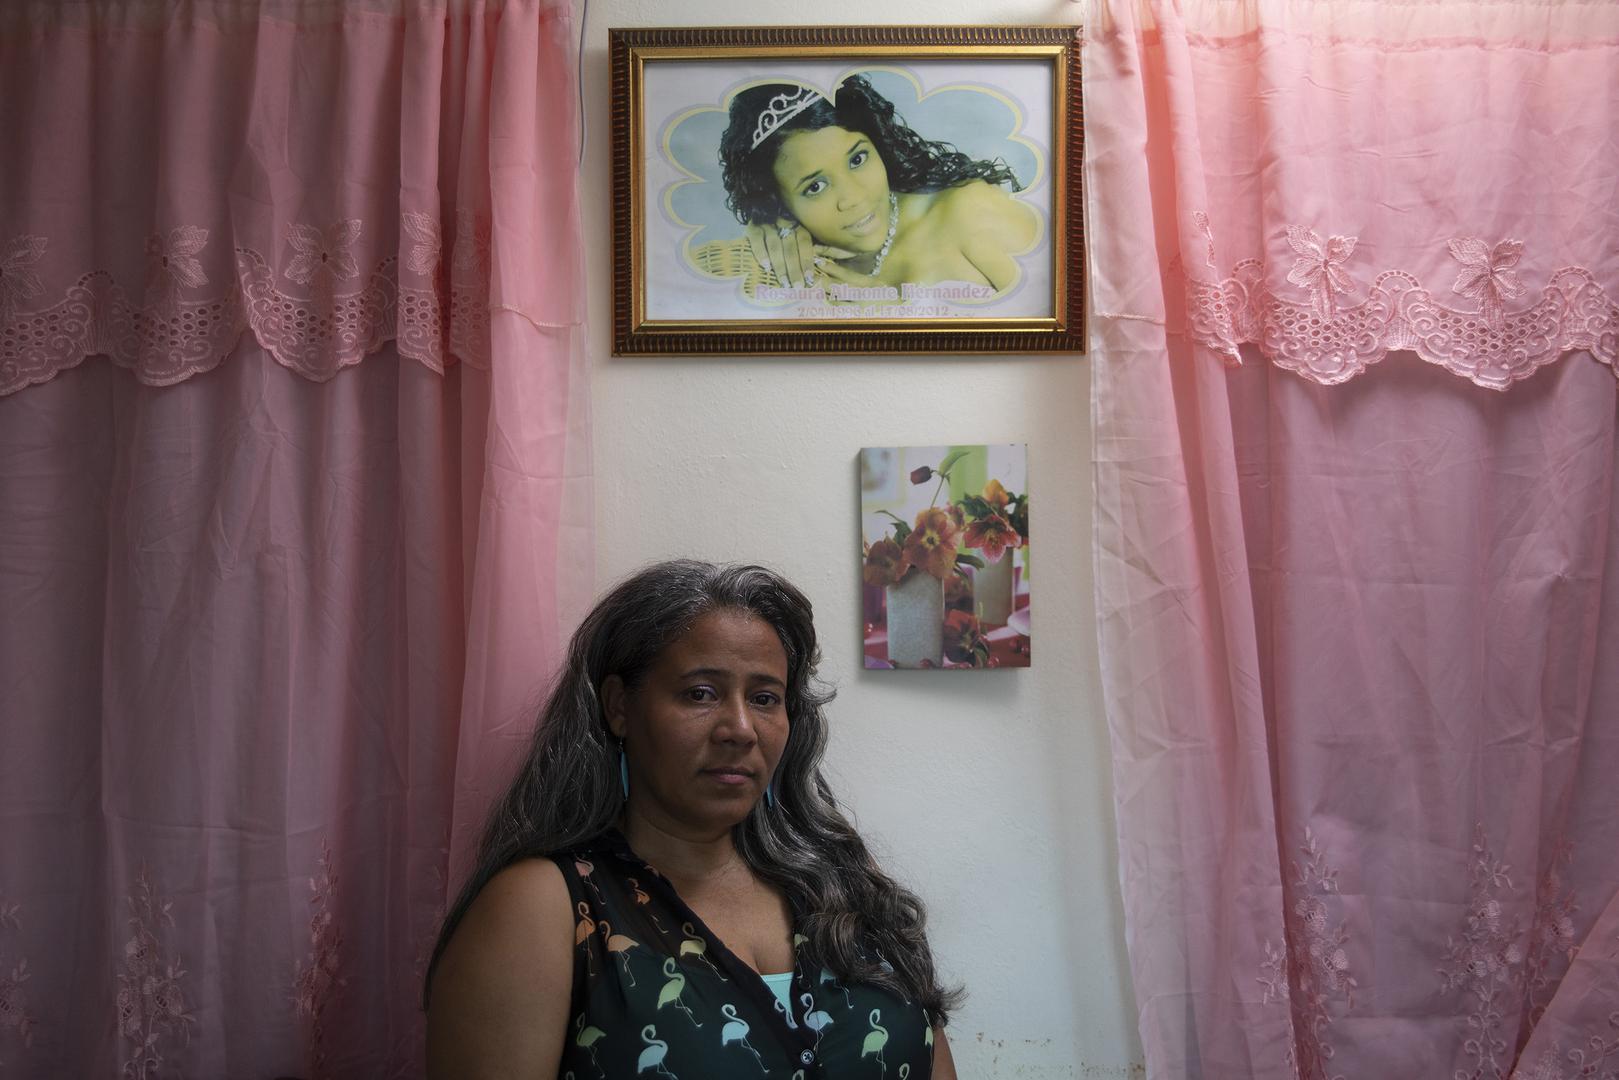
1552, 25
316, 337
149, 378
1574, 314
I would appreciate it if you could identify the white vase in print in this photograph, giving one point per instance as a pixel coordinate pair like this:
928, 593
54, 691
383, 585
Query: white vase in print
916, 620
992, 591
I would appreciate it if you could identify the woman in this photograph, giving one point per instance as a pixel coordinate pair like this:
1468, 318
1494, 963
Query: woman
843, 192
686, 734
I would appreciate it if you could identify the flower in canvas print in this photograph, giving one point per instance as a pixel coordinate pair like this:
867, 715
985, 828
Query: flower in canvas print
945, 556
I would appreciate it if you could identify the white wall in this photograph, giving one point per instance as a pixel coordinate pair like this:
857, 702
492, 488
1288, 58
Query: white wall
988, 792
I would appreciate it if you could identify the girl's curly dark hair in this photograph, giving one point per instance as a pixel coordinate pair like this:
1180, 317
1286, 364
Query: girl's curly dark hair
913, 163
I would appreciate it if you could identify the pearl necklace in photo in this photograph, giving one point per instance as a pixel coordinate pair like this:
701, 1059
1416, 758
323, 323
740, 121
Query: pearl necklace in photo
888, 241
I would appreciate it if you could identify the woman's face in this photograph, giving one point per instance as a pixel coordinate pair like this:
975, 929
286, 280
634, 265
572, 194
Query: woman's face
833, 181
706, 727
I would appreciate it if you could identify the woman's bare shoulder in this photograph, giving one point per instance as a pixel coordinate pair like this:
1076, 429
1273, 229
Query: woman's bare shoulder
528, 881
976, 197
501, 989
981, 207
526, 904
523, 914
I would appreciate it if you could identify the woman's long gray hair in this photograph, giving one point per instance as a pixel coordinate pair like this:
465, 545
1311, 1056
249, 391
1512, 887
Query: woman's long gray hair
861, 924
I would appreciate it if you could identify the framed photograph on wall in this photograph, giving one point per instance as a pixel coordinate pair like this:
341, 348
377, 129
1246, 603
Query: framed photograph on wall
847, 190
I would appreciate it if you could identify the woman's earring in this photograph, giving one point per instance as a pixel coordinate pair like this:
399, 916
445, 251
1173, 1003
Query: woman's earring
624, 770
770, 795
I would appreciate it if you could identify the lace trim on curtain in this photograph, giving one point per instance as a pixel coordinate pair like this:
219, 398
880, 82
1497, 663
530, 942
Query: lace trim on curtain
1329, 340
1581, 1062
1496, 964
140, 14
1396, 45
14, 1014
1400, 25
320, 977
152, 1011
165, 339
1311, 969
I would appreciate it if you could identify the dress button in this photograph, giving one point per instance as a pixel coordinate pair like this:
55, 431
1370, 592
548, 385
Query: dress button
807, 1057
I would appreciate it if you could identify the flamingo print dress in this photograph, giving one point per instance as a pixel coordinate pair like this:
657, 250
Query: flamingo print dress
655, 994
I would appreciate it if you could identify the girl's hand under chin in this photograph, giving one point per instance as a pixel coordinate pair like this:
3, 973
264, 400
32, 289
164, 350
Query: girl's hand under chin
793, 257
829, 269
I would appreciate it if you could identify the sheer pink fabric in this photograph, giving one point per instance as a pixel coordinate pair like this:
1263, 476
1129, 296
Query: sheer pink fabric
292, 510
1358, 606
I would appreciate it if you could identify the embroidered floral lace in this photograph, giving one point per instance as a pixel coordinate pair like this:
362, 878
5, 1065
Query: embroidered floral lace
309, 304
1327, 326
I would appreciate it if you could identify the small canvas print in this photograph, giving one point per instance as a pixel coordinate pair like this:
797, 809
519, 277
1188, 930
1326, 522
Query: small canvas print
945, 556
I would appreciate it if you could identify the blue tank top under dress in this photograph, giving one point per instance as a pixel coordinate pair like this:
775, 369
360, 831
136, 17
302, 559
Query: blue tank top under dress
655, 994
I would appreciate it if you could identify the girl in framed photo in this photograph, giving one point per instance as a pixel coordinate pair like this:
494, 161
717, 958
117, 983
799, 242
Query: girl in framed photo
843, 196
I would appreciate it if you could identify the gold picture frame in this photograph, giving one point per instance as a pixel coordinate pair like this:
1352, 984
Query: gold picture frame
728, 145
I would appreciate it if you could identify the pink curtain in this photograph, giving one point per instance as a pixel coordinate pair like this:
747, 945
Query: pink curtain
1357, 530
293, 509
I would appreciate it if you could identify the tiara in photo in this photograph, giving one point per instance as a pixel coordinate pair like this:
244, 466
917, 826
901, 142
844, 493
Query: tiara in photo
782, 108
